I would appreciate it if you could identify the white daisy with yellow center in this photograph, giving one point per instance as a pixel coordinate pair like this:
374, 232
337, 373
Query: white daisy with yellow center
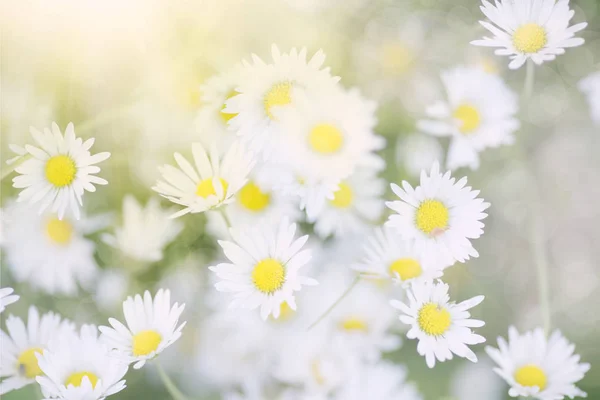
6, 297
265, 88
439, 217
264, 266
151, 327
20, 345
209, 183
49, 253
56, 173
442, 328
537, 367
388, 256
479, 113
145, 230
78, 365
257, 201
328, 133
354, 206
590, 86
529, 29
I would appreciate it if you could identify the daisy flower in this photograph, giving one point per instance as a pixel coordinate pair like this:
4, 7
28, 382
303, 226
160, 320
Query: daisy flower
151, 327
19, 365
529, 29
263, 88
57, 172
545, 369
478, 114
263, 267
441, 327
256, 203
328, 133
387, 255
354, 206
80, 366
6, 297
590, 86
49, 253
440, 216
210, 183
145, 230
382, 381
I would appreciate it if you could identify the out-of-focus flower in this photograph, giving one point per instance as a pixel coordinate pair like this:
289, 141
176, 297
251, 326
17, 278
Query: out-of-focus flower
529, 29
19, 365
537, 367
209, 184
266, 87
382, 381
476, 381
478, 114
111, 288
590, 86
388, 256
57, 172
151, 327
327, 132
80, 366
6, 297
355, 206
440, 216
256, 203
441, 327
145, 230
50, 253
418, 152
263, 267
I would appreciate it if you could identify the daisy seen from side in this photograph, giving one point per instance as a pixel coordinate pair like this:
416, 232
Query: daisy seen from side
152, 326
211, 182
538, 367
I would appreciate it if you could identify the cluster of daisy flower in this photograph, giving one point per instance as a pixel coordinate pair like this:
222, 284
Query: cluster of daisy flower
318, 273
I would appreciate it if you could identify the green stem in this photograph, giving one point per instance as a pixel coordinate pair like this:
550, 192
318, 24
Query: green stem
541, 265
335, 304
225, 217
529, 80
169, 385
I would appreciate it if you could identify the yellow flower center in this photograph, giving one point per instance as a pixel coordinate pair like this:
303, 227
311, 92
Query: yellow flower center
531, 375
253, 198
342, 198
206, 188
146, 342
354, 324
530, 38
28, 363
227, 116
59, 231
278, 95
469, 118
285, 312
396, 58
407, 268
76, 378
268, 275
325, 139
60, 170
432, 217
434, 320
